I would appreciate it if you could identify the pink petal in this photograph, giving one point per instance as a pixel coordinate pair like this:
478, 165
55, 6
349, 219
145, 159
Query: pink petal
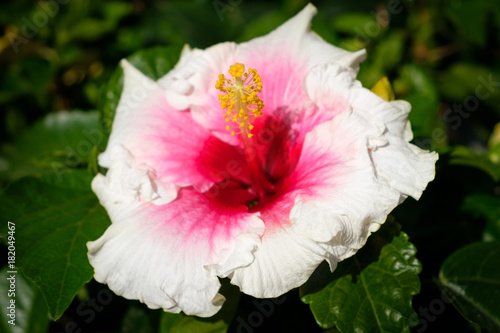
167, 141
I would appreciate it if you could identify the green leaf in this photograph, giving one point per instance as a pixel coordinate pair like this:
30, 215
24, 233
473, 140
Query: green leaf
136, 320
373, 290
461, 80
31, 313
322, 26
92, 21
180, 323
494, 145
389, 51
60, 141
114, 11
262, 25
470, 19
353, 23
386, 56
472, 275
424, 100
488, 207
468, 84
154, 62
54, 220
460, 155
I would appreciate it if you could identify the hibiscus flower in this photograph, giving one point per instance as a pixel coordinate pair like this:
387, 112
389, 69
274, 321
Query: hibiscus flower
293, 164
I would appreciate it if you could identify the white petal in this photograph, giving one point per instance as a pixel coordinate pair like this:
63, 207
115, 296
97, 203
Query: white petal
402, 165
169, 256
283, 261
128, 181
176, 81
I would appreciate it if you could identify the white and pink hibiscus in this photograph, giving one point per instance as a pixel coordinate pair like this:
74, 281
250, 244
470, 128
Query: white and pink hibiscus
307, 180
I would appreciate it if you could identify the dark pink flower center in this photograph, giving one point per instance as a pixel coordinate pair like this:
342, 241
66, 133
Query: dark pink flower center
253, 175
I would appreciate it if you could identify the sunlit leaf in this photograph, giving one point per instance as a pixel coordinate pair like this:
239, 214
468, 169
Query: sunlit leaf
383, 89
494, 145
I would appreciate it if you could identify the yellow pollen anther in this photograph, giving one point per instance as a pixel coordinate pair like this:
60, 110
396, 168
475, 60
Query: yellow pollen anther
240, 97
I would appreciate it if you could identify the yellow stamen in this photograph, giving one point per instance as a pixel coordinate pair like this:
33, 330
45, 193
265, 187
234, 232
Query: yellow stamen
240, 93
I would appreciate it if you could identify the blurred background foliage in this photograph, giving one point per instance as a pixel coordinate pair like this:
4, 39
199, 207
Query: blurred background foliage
443, 56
